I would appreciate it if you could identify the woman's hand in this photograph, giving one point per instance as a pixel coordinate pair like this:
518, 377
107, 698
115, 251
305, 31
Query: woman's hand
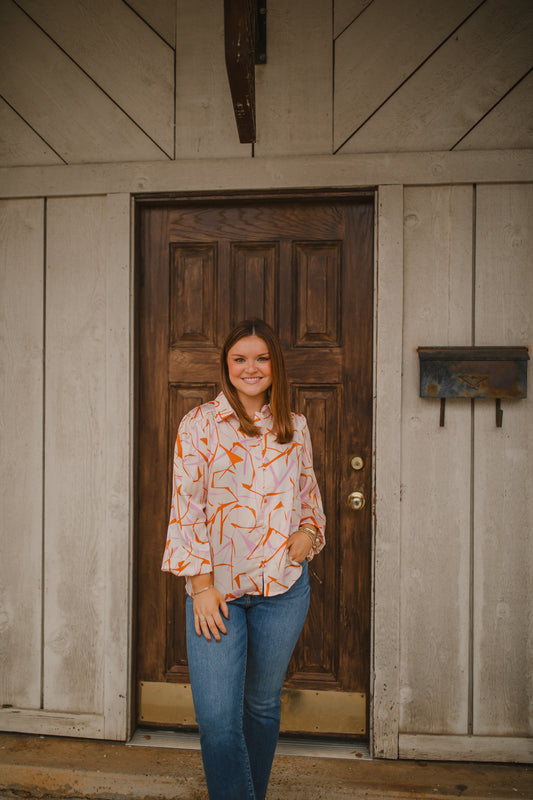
207, 606
299, 546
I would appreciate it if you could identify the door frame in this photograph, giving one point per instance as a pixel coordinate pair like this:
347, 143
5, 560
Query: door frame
386, 368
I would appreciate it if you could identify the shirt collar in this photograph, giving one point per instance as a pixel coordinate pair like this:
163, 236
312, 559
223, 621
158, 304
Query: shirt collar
224, 409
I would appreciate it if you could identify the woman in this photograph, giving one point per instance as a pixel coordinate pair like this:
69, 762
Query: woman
246, 517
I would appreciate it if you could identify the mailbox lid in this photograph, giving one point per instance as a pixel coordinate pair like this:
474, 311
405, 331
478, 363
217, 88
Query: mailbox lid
474, 372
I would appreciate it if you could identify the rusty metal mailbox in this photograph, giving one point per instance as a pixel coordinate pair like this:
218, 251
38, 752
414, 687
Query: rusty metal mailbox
498, 373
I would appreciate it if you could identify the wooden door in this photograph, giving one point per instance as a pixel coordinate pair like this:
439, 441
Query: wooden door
305, 265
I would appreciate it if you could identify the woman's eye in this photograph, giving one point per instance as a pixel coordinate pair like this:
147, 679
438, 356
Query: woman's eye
263, 358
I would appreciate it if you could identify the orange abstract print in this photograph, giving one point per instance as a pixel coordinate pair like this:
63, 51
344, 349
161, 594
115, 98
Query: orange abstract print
236, 500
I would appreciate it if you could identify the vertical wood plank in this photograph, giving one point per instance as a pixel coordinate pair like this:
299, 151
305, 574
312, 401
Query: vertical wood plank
294, 89
436, 466
76, 479
503, 509
21, 431
388, 380
118, 621
205, 123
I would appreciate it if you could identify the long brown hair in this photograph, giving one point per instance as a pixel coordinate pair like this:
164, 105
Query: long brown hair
279, 389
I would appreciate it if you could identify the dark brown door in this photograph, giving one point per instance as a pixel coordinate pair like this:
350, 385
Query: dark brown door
305, 265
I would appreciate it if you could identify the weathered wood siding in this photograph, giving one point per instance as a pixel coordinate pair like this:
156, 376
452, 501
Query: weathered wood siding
65, 598
503, 497
102, 100
436, 466
466, 665
112, 81
21, 465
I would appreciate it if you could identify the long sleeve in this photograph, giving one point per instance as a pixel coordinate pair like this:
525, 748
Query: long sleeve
187, 550
311, 502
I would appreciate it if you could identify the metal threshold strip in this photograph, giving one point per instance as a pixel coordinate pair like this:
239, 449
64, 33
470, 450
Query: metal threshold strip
287, 745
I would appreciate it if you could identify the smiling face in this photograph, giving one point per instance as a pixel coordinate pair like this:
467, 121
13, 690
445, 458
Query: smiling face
250, 372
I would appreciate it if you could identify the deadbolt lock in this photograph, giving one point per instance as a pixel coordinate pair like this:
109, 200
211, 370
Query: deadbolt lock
357, 463
355, 501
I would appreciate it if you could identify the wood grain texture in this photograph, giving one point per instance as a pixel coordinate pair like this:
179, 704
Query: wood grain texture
503, 510
509, 125
460, 83
293, 90
435, 509
121, 54
21, 466
75, 442
205, 123
387, 436
59, 101
467, 748
52, 723
118, 613
381, 49
19, 144
250, 174
161, 16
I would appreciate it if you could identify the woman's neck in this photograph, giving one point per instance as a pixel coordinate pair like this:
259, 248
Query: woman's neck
253, 405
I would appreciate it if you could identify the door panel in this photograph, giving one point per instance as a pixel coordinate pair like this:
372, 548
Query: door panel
305, 265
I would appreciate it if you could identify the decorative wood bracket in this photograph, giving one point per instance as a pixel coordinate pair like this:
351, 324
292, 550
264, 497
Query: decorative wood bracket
498, 373
245, 45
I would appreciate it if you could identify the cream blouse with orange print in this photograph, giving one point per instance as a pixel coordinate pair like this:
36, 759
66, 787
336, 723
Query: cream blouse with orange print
236, 499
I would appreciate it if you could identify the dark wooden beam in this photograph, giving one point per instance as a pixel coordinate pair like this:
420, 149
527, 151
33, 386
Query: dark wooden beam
239, 41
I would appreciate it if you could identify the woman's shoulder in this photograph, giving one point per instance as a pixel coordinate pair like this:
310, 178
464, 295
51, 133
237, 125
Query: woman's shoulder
199, 416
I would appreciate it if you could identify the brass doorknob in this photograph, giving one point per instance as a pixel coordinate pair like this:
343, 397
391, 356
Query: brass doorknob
355, 501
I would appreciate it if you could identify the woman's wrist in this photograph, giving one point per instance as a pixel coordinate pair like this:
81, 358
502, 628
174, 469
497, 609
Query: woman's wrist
311, 532
201, 583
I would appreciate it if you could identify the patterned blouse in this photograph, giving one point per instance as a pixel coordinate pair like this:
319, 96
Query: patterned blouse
236, 499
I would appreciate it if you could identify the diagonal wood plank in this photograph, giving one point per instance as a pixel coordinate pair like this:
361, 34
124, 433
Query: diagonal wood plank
161, 16
120, 53
381, 49
509, 125
19, 144
457, 85
345, 11
60, 102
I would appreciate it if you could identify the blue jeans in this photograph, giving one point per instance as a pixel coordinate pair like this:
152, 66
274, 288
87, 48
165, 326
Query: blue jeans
236, 686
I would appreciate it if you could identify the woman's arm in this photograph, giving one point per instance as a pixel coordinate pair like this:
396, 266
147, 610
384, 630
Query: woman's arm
312, 514
187, 549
